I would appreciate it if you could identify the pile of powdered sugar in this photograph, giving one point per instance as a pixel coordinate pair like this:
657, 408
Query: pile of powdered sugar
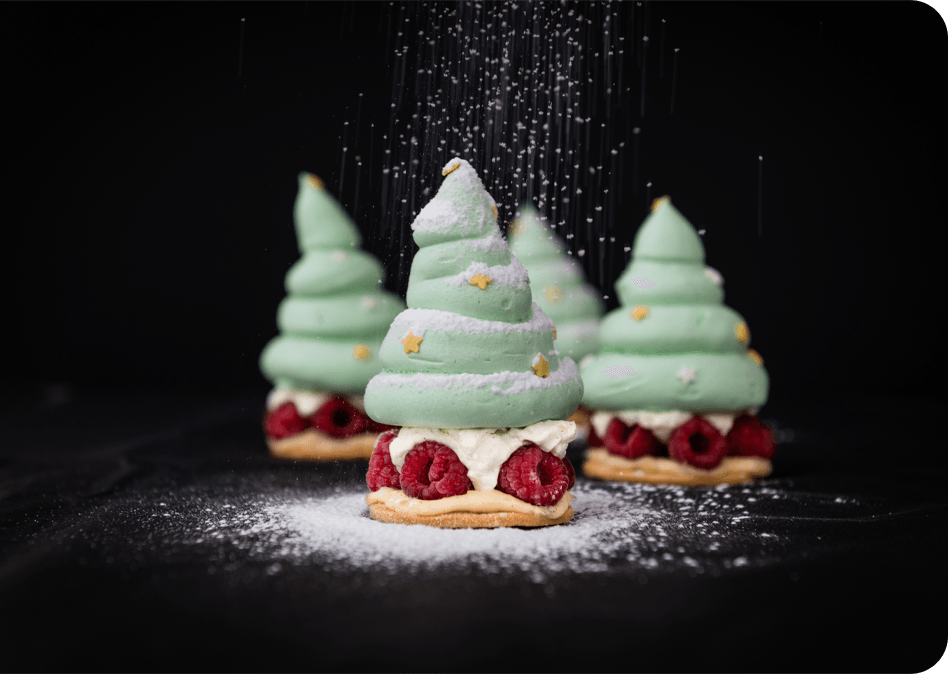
615, 526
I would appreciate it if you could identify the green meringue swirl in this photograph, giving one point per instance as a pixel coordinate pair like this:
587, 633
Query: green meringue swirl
335, 315
558, 284
481, 335
672, 345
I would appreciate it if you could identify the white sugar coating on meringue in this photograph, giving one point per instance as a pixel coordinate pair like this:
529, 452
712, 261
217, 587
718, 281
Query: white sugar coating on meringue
493, 242
484, 450
512, 274
501, 383
435, 319
661, 424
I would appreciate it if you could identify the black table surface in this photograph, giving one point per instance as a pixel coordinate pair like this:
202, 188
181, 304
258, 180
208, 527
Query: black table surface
151, 531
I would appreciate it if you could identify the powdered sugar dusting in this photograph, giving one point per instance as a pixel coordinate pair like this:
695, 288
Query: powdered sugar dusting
491, 243
643, 527
435, 319
512, 274
439, 214
501, 383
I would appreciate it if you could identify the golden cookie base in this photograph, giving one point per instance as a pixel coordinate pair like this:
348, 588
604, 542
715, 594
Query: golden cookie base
311, 445
602, 465
467, 520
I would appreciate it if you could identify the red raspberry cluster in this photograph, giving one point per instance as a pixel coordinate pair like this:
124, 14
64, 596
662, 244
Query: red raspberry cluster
337, 418
696, 442
433, 471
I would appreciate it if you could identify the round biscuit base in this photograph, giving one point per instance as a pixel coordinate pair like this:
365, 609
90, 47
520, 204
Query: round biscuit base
602, 465
311, 445
467, 520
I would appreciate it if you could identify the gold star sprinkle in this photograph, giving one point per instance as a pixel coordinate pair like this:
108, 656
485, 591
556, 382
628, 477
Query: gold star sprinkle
742, 333
640, 312
481, 281
362, 352
661, 201
368, 303
514, 229
754, 356
314, 182
339, 256
541, 367
411, 342
451, 169
554, 332
494, 211
553, 294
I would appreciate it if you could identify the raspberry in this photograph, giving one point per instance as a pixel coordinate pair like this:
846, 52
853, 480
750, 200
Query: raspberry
630, 442
534, 476
432, 471
698, 443
284, 421
749, 437
339, 418
382, 472
592, 439
570, 473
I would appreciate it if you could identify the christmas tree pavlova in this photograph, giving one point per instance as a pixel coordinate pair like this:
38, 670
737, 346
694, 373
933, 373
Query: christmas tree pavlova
472, 380
559, 287
674, 386
332, 323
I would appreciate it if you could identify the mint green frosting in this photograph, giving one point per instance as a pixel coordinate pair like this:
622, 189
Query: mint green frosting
475, 364
558, 284
685, 354
335, 315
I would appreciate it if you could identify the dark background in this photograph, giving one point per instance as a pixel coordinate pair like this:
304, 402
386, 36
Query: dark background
148, 201
152, 188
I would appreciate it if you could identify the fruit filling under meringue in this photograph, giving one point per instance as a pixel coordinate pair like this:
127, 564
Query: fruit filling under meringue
292, 412
429, 463
699, 440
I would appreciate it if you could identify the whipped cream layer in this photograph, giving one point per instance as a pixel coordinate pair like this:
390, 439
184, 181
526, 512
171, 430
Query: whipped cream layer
473, 350
307, 402
661, 424
484, 450
558, 284
335, 315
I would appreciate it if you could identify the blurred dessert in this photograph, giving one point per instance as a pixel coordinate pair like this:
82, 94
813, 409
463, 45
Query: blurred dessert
674, 386
331, 323
559, 287
471, 377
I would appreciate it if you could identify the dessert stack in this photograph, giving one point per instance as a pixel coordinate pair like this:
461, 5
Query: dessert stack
675, 387
472, 381
331, 323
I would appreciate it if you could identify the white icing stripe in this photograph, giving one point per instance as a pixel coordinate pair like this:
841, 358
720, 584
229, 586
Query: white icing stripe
662, 424
435, 319
518, 382
484, 450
